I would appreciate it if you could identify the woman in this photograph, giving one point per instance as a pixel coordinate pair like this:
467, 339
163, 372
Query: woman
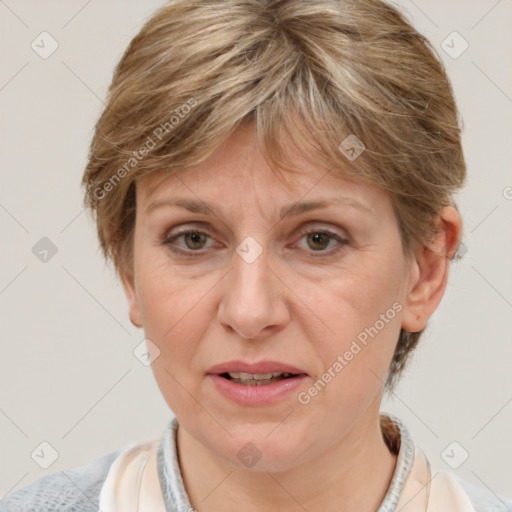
273, 182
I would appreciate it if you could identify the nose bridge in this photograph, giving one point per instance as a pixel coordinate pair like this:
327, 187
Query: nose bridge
252, 300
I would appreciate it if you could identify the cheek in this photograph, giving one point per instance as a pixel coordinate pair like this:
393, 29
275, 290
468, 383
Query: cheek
171, 312
175, 320
362, 313
168, 304
165, 294
356, 301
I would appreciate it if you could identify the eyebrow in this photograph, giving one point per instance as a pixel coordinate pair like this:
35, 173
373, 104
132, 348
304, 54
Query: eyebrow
197, 206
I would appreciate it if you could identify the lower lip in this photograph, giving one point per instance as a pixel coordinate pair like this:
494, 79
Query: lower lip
264, 394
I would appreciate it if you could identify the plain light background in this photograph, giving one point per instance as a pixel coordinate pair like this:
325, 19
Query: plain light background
68, 373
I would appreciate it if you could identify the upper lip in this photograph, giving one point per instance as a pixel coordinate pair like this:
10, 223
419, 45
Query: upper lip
254, 368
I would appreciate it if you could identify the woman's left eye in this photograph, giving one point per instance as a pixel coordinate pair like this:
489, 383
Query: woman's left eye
317, 240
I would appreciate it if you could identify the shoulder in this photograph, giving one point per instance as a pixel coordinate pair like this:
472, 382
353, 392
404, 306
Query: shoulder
68, 490
478, 498
482, 499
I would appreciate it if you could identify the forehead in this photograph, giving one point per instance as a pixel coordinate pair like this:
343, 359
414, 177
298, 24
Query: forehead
238, 169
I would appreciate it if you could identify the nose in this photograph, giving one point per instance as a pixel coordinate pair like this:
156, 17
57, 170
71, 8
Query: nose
253, 300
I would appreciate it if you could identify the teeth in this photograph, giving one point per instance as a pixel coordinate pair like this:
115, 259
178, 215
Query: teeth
256, 376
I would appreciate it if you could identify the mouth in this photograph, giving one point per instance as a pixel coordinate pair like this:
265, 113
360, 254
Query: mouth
257, 379
254, 384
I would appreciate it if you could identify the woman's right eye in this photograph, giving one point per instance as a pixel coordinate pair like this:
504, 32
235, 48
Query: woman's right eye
194, 241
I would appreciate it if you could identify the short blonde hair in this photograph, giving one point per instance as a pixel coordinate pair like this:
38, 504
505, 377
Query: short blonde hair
197, 69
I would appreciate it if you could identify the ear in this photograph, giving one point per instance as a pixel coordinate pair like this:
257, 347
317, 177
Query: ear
128, 282
429, 271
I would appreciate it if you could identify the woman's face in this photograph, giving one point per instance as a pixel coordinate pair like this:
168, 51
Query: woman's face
252, 286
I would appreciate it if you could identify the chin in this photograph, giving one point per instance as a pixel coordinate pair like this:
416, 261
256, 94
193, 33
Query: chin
254, 449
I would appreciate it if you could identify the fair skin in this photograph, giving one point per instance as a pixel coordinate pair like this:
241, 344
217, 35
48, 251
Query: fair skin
301, 302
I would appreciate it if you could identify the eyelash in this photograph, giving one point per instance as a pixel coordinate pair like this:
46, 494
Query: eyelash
169, 242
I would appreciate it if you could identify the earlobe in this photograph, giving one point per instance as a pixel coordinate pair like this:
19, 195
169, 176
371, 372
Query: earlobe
128, 284
134, 321
429, 272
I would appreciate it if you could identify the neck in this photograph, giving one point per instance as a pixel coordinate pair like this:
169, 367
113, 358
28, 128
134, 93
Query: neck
353, 475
